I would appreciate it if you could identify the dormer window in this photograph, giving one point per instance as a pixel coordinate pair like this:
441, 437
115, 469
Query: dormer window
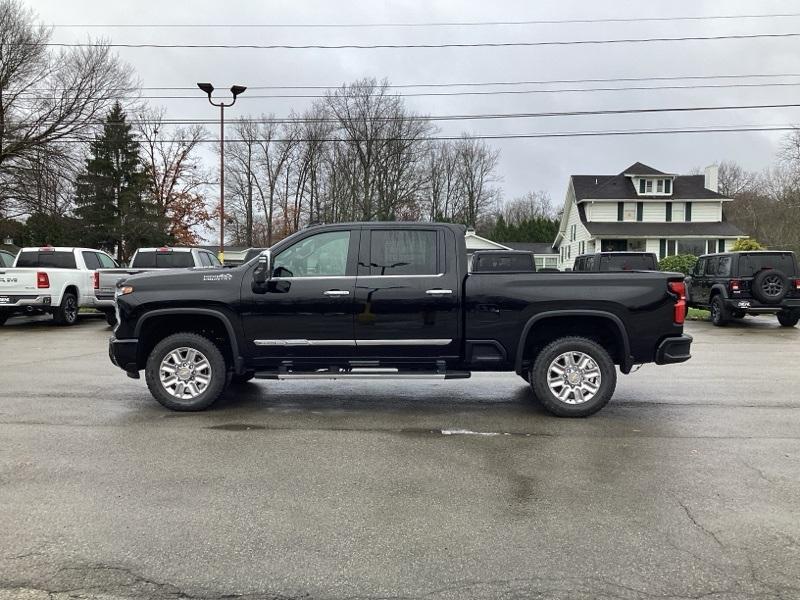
649, 186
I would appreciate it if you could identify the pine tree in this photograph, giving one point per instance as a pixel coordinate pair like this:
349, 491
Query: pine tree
112, 203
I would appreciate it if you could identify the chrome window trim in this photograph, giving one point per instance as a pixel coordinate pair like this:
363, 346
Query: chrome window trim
404, 342
302, 342
393, 276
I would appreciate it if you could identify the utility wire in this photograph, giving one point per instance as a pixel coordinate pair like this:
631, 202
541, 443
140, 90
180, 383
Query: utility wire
483, 116
357, 85
513, 136
199, 96
744, 36
423, 24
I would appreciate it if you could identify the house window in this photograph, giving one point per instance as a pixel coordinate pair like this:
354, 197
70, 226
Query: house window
660, 186
620, 211
640, 211
641, 186
667, 186
695, 246
669, 211
572, 233
662, 248
720, 245
569, 251
688, 212
648, 186
671, 248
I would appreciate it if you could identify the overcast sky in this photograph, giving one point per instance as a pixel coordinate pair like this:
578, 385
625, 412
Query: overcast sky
541, 164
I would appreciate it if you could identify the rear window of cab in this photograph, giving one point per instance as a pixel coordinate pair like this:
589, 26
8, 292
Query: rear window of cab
46, 259
162, 260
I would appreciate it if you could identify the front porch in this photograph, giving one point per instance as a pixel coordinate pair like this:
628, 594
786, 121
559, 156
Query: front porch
661, 247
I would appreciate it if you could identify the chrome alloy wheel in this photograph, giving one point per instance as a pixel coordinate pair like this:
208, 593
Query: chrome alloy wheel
574, 377
185, 373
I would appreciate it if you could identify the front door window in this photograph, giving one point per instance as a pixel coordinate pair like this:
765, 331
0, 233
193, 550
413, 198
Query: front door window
321, 255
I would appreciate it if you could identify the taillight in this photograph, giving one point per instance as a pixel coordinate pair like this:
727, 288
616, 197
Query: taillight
96, 280
735, 286
797, 284
679, 289
42, 280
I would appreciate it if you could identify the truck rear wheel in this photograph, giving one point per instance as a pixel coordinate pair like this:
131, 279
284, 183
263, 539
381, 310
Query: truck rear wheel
186, 372
573, 377
67, 311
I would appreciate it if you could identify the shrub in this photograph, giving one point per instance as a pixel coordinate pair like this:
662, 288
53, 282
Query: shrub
682, 263
745, 245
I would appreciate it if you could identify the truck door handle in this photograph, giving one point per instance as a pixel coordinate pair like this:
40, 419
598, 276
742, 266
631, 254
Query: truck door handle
439, 292
336, 293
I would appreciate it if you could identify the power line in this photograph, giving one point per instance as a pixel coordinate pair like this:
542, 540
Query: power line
357, 85
481, 116
428, 46
470, 93
513, 136
423, 24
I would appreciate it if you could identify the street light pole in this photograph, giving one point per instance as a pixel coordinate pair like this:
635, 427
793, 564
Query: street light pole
235, 91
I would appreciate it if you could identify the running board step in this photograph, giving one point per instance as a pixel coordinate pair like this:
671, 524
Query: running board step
361, 373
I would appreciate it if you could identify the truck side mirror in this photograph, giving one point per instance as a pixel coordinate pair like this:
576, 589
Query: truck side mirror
263, 272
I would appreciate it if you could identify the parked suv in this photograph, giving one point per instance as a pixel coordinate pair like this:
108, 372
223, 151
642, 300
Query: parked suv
616, 261
734, 284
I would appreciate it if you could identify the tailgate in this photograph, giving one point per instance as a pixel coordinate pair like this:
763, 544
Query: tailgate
108, 279
16, 284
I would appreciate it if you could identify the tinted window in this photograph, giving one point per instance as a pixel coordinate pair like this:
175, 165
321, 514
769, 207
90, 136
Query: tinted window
162, 260
6, 260
321, 255
750, 264
214, 260
503, 262
700, 267
627, 262
204, 260
724, 268
91, 260
590, 263
711, 266
403, 252
50, 260
106, 261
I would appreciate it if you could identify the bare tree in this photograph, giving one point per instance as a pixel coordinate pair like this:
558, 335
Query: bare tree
175, 175
48, 99
476, 167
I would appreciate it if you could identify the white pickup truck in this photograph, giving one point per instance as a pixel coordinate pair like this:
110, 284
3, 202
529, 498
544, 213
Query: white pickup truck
52, 280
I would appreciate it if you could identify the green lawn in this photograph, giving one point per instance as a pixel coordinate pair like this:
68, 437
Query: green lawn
698, 314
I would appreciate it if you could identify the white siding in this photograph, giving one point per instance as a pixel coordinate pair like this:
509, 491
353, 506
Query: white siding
654, 247
601, 211
581, 235
654, 212
707, 211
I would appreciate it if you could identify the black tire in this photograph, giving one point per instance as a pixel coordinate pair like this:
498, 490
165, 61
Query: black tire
550, 356
240, 379
770, 286
67, 311
111, 318
3, 318
788, 319
719, 313
217, 370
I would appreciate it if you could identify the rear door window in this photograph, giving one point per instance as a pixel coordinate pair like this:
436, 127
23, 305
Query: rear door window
724, 267
403, 252
47, 260
91, 260
750, 264
711, 266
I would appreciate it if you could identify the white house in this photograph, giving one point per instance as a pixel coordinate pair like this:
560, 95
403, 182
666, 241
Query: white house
643, 209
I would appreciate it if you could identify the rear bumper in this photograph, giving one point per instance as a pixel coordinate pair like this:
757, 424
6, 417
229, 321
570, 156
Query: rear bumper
123, 354
754, 306
17, 301
674, 350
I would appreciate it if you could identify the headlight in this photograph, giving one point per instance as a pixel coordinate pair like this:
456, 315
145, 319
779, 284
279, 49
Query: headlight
125, 289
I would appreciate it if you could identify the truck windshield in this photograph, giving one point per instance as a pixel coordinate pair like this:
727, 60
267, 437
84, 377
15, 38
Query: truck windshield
627, 262
750, 264
47, 259
162, 260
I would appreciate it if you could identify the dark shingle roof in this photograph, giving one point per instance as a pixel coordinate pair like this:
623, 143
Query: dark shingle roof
628, 228
535, 247
638, 168
619, 187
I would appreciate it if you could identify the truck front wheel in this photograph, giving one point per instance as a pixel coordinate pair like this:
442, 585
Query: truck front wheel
573, 377
186, 372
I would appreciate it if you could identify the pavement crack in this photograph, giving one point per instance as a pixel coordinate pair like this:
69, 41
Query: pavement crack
700, 526
758, 471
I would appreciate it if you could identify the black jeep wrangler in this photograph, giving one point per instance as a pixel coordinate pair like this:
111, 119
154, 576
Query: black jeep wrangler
734, 284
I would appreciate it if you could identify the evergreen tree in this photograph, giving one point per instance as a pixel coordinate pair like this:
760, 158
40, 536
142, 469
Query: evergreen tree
113, 204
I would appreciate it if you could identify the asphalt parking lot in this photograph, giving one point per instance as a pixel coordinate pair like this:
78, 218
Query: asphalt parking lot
686, 486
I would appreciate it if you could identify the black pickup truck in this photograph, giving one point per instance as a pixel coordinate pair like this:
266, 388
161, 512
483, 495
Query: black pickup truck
393, 300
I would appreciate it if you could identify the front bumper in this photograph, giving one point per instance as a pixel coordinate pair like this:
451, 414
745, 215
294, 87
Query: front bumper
752, 305
674, 350
123, 354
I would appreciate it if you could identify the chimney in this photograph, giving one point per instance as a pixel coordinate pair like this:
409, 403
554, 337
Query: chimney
712, 178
